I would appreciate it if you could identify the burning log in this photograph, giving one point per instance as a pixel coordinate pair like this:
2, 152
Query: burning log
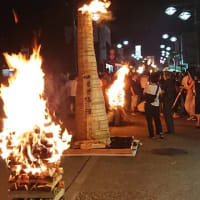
31, 143
40, 186
56, 194
119, 116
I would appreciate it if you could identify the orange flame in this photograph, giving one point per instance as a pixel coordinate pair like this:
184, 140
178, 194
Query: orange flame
29, 140
15, 16
116, 93
96, 8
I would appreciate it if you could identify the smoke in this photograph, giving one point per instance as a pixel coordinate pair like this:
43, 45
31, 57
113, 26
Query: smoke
105, 17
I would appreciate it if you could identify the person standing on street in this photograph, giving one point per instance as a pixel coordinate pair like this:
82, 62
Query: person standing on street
152, 110
169, 90
188, 84
135, 91
144, 80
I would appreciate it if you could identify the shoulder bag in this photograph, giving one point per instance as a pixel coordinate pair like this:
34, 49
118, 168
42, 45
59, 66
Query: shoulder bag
149, 98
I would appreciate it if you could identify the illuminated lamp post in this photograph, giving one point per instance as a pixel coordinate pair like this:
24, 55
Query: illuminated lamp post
119, 46
124, 49
125, 42
162, 46
176, 39
170, 10
185, 14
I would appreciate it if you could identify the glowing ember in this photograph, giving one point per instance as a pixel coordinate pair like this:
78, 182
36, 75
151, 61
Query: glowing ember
30, 141
116, 93
15, 16
96, 8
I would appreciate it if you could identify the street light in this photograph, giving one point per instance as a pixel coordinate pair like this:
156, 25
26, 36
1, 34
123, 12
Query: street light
168, 48
170, 10
173, 39
126, 42
185, 15
162, 46
119, 46
165, 36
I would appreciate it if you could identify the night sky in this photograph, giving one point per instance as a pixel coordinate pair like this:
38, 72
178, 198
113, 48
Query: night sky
141, 22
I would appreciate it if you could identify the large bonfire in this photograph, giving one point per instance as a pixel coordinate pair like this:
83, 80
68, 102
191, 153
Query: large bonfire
117, 99
30, 141
116, 93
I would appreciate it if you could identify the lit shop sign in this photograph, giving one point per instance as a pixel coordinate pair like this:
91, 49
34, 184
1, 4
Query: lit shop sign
138, 52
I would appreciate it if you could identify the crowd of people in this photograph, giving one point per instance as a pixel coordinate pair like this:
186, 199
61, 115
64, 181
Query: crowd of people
157, 94
174, 95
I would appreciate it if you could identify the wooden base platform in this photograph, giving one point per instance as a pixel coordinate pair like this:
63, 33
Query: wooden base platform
118, 148
15, 195
57, 193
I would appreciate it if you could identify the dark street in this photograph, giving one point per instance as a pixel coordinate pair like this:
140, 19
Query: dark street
162, 169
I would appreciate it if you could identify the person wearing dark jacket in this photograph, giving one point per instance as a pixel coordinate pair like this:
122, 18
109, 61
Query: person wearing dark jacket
169, 89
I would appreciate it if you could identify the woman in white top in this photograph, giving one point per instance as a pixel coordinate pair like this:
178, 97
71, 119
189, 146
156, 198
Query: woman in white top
152, 110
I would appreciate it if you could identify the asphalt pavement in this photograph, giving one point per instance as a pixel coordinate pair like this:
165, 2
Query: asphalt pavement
165, 169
